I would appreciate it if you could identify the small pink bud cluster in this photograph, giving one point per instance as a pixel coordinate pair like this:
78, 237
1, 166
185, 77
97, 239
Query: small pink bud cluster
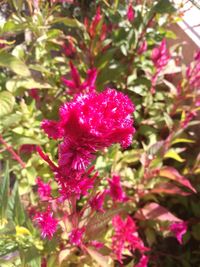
130, 13
46, 223
160, 57
75, 85
126, 237
94, 27
193, 72
68, 48
179, 229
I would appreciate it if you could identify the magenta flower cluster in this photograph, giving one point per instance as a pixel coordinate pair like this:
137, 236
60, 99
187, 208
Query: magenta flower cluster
87, 124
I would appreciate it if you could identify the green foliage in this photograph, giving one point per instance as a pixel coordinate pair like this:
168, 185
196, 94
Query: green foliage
159, 172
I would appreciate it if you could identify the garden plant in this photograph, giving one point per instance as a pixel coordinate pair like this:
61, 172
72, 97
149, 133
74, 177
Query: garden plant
99, 142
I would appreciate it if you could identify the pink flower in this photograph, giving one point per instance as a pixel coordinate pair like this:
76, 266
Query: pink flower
75, 184
52, 129
160, 55
44, 190
193, 72
142, 47
92, 28
46, 223
34, 93
98, 120
197, 56
90, 122
75, 85
130, 13
97, 201
179, 229
143, 261
68, 48
189, 116
76, 236
126, 237
116, 190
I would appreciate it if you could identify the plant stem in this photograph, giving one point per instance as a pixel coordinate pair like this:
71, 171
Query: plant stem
11, 150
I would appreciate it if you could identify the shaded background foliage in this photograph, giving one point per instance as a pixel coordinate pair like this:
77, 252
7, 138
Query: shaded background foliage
154, 170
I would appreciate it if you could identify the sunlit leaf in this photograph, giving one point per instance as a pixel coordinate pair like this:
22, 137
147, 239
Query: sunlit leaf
103, 261
173, 155
173, 174
9, 61
7, 102
153, 211
4, 193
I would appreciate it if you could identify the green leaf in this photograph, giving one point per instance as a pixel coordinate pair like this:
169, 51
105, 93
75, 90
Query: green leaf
103, 261
15, 83
98, 222
16, 210
172, 174
163, 7
182, 140
67, 22
168, 120
27, 140
4, 193
173, 155
32, 257
7, 102
9, 61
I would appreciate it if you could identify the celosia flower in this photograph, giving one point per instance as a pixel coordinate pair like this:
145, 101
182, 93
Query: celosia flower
160, 55
143, 261
46, 223
97, 201
103, 32
142, 48
87, 124
92, 28
75, 85
126, 237
130, 13
179, 229
52, 129
193, 72
116, 191
75, 184
76, 236
68, 48
189, 116
34, 93
44, 190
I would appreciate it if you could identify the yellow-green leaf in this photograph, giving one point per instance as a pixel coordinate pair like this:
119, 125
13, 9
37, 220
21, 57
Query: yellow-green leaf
9, 61
7, 102
173, 155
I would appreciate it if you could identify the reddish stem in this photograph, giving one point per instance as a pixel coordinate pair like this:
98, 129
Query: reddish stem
11, 150
46, 158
